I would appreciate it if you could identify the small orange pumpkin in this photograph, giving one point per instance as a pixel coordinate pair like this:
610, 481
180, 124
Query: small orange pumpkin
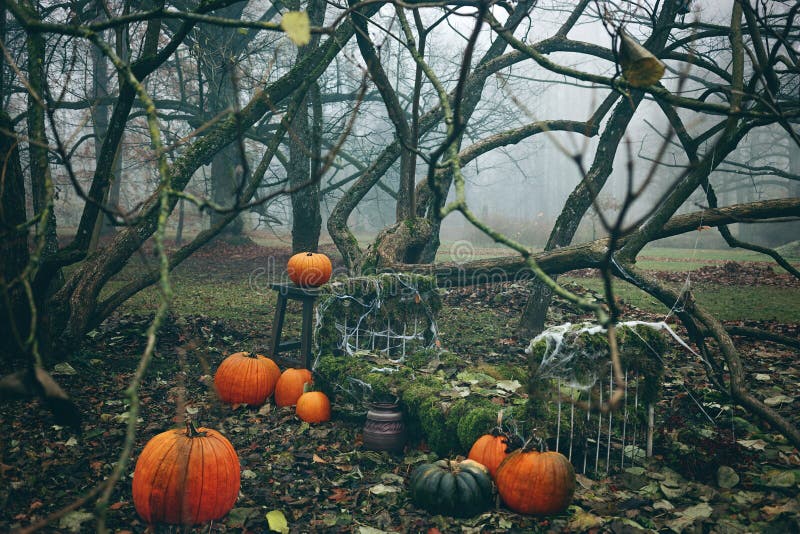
186, 477
309, 269
490, 450
314, 407
532, 482
290, 386
244, 378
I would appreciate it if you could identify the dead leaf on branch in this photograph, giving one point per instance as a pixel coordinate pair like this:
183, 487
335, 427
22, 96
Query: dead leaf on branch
297, 27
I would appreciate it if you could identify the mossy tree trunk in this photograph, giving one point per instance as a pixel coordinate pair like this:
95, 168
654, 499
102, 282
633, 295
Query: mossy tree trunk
14, 308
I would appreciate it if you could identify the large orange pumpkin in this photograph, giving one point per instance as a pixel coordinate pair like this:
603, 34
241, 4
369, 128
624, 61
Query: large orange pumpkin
532, 482
186, 477
490, 450
290, 386
314, 407
309, 269
244, 378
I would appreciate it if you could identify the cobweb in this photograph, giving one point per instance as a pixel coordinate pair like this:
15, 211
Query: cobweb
391, 315
580, 365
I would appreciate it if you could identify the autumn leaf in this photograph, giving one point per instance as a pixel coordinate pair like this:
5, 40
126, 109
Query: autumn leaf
297, 27
277, 521
339, 495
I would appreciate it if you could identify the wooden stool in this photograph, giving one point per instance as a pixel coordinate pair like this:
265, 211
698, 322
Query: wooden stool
288, 291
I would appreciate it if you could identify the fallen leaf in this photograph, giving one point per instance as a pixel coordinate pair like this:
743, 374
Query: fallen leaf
778, 400
277, 522
74, 521
509, 385
339, 495
64, 368
583, 521
790, 507
383, 489
727, 477
753, 444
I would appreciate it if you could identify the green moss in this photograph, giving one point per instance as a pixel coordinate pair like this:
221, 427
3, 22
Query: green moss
413, 399
437, 429
450, 359
479, 417
505, 371
421, 358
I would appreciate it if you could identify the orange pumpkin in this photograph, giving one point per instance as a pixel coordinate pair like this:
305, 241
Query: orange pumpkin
532, 482
314, 407
186, 477
290, 386
309, 269
490, 450
244, 378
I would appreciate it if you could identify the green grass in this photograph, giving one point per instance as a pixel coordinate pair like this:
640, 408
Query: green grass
758, 303
198, 291
651, 258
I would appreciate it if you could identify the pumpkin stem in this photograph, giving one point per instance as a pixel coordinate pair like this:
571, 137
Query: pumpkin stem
307, 387
535, 442
309, 253
192, 431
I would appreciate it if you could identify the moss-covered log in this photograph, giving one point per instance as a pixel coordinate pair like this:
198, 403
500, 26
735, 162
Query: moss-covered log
445, 405
448, 402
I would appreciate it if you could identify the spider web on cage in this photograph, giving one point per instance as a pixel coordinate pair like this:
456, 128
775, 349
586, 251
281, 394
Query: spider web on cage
365, 324
581, 369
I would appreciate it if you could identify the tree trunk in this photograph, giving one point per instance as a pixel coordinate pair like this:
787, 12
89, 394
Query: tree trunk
179, 230
305, 152
338, 228
100, 79
306, 218
219, 61
226, 187
46, 282
14, 309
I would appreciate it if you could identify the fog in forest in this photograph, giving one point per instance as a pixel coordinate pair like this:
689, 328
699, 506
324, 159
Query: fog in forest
520, 189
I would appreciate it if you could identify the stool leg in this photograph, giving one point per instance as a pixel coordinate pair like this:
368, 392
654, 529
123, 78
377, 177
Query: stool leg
277, 324
307, 331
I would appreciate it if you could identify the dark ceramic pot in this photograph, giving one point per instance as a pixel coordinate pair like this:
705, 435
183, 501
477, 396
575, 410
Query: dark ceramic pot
384, 429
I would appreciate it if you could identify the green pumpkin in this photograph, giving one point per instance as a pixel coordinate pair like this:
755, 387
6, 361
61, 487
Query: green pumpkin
448, 487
